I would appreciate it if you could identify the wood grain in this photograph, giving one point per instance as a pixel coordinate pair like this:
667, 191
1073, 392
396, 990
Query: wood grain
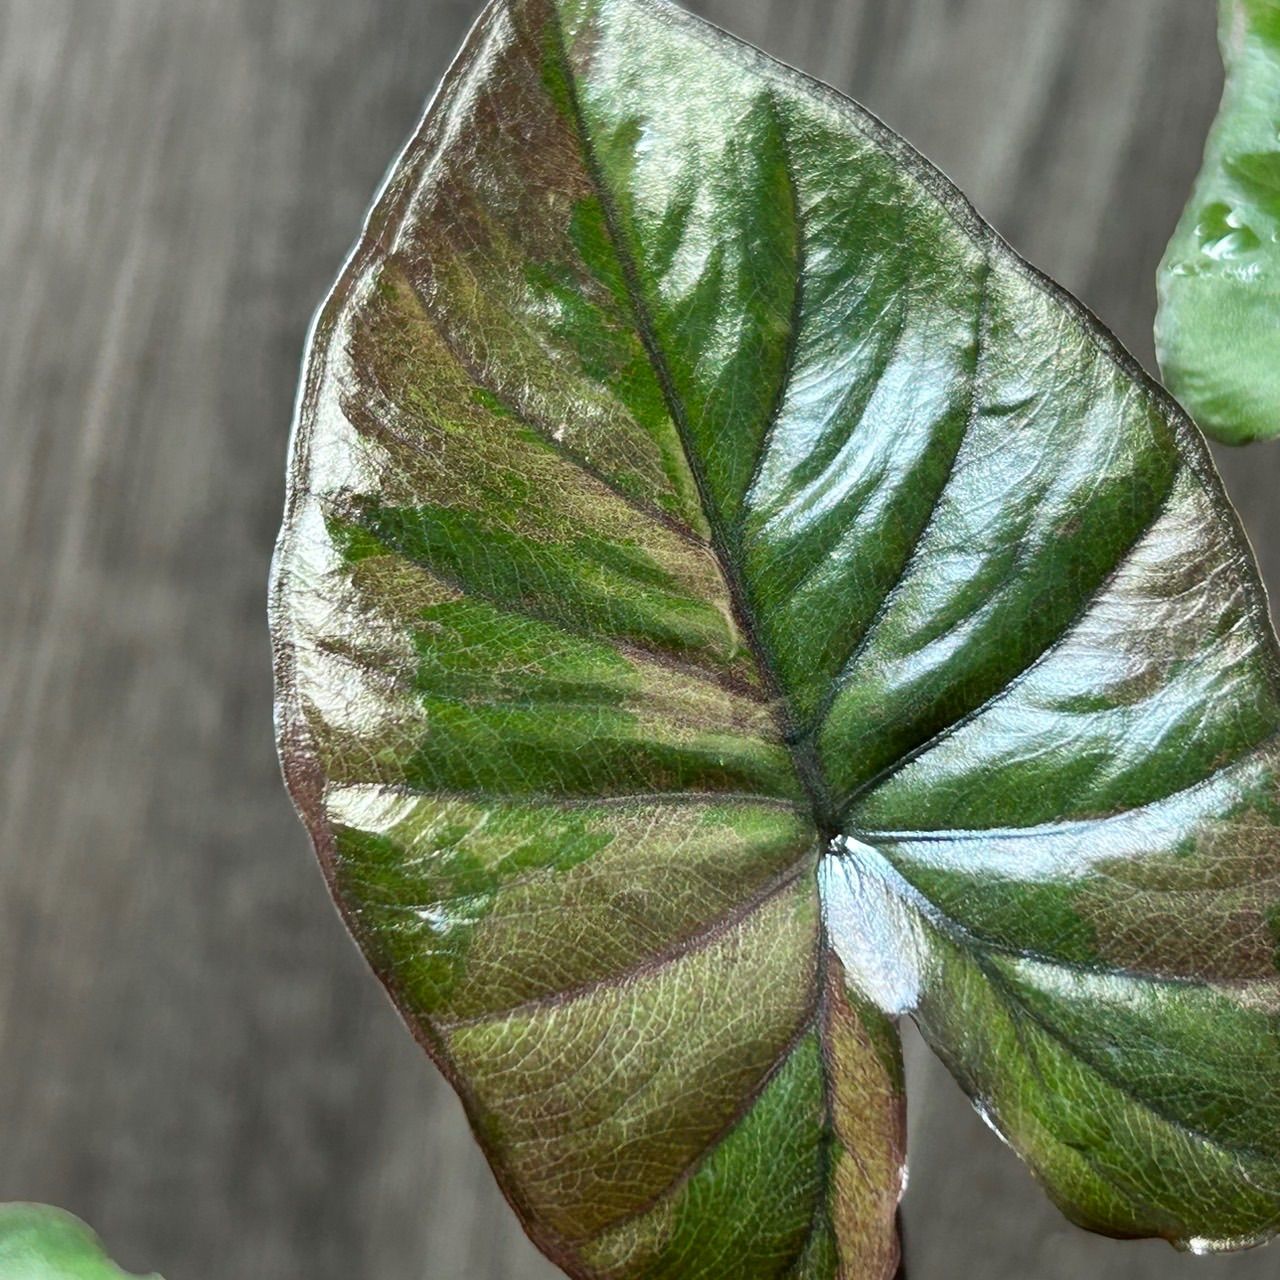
191, 1054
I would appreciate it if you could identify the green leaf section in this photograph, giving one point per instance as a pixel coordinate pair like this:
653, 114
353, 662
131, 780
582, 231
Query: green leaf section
1218, 328
727, 600
41, 1243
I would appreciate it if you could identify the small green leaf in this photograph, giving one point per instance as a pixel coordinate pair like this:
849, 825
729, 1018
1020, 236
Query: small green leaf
41, 1243
727, 601
1218, 328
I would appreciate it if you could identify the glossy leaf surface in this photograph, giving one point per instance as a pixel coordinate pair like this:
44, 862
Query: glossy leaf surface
41, 1243
1218, 328
727, 600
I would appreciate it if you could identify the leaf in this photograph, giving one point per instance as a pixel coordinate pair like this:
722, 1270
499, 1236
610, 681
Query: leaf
41, 1243
1218, 328
728, 600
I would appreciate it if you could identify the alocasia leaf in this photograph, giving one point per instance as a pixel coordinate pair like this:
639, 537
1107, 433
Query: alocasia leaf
1218, 328
41, 1243
727, 600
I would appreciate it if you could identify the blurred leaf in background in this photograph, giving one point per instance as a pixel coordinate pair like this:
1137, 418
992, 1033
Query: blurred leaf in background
38, 1242
1218, 328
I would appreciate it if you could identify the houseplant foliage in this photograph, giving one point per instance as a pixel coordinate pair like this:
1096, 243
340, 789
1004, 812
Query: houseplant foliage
41, 1243
726, 601
1218, 328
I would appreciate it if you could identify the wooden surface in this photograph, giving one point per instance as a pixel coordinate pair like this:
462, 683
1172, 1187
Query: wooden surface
191, 1054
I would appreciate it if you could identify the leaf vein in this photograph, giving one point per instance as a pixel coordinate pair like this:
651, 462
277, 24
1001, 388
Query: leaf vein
705, 936
847, 671
1069, 628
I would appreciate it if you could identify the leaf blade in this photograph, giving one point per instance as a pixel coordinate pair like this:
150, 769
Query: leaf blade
708, 452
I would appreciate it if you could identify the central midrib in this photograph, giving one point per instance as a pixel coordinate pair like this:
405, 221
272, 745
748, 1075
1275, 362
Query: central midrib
725, 543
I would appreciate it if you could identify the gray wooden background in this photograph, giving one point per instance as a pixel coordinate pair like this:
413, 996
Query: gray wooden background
191, 1053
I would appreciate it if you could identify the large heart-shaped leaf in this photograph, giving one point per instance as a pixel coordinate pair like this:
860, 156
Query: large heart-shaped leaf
41, 1243
728, 600
1218, 329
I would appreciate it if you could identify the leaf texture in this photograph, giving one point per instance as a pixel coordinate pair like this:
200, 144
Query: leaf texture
727, 601
1218, 327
